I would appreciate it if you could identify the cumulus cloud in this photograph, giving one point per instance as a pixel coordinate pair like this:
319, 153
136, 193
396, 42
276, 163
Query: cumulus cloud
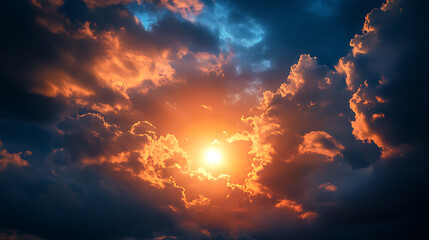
296, 76
377, 74
7, 158
320, 143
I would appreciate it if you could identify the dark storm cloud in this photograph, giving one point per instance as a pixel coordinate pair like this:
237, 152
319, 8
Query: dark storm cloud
90, 205
24, 47
321, 28
97, 205
389, 68
34, 59
385, 198
314, 149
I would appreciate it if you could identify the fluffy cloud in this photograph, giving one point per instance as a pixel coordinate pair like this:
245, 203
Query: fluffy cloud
383, 56
7, 158
321, 143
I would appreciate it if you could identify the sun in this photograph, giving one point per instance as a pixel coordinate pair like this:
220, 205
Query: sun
212, 156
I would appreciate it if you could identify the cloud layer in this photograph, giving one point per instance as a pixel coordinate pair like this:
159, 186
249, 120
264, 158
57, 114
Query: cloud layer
107, 108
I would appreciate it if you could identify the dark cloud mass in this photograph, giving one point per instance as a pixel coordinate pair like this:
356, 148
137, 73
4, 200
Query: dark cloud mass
201, 119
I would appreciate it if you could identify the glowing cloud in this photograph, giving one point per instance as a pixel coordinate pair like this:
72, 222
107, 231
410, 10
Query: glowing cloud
7, 158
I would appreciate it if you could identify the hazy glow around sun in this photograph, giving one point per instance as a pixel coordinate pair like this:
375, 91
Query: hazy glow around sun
212, 156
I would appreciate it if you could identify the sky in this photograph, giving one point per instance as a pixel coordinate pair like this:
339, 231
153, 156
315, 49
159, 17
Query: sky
213, 119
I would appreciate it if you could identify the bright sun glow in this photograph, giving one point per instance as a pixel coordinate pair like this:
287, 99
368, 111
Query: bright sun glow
212, 156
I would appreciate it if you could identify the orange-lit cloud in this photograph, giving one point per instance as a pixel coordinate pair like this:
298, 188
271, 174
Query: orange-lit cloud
284, 203
328, 187
121, 69
295, 79
189, 9
321, 143
7, 158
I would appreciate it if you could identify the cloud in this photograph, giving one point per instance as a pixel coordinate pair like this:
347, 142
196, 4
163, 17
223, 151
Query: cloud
121, 69
12, 235
296, 78
88, 136
377, 76
188, 9
296, 207
328, 187
7, 158
98, 3
321, 143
